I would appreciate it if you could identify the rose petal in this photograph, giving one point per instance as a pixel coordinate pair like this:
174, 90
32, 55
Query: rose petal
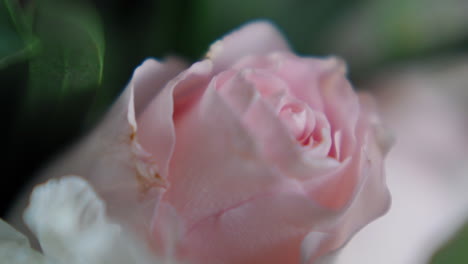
366, 207
150, 77
168, 229
279, 147
372, 197
237, 92
341, 105
259, 38
156, 126
268, 228
235, 164
113, 161
303, 77
385, 139
335, 190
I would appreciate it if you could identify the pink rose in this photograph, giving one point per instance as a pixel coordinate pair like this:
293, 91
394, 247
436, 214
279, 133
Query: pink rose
252, 155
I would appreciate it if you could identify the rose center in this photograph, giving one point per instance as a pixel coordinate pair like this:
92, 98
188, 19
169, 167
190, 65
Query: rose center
299, 120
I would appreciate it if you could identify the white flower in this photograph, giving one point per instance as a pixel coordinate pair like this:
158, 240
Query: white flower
70, 222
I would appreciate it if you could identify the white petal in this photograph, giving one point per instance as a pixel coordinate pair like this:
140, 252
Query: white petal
70, 222
15, 249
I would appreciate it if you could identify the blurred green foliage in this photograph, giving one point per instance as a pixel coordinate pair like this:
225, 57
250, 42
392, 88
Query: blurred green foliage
70, 60
16, 39
372, 34
302, 21
455, 251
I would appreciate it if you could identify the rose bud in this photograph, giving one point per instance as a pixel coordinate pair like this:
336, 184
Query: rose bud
252, 155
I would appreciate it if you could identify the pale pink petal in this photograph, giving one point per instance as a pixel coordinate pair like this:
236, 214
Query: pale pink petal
156, 125
272, 88
372, 198
336, 150
303, 77
320, 141
280, 147
112, 160
259, 38
268, 228
365, 208
341, 105
236, 91
384, 136
337, 188
168, 229
214, 153
151, 77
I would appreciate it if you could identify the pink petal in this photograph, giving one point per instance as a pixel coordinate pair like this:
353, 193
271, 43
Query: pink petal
228, 161
279, 147
341, 105
268, 228
237, 92
151, 77
372, 198
156, 126
112, 161
303, 77
259, 38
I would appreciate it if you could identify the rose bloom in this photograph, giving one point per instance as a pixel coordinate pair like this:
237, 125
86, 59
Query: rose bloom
425, 103
252, 155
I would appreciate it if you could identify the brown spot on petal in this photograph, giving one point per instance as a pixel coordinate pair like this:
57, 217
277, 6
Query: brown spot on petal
146, 169
148, 183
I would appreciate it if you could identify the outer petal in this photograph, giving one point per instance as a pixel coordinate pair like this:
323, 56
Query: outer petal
372, 198
151, 77
112, 160
229, 161
268, 228
259, 38
341, 105
156, 124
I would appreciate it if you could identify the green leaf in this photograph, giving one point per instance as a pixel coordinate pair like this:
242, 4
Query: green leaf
455, 251
68, 69
16, 39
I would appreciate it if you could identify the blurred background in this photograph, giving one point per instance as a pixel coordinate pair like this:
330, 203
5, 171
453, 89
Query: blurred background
63, 62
